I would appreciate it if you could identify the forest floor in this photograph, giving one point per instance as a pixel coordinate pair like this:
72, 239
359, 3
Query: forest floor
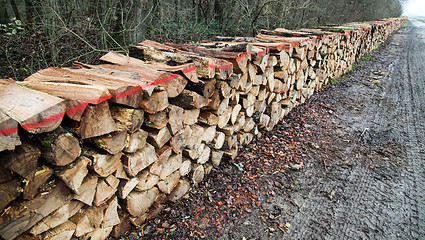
347, 164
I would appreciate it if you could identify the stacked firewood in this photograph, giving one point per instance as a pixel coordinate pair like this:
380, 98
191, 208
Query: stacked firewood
88, 151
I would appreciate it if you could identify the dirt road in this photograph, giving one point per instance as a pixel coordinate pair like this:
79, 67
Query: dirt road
375, 188
348, 164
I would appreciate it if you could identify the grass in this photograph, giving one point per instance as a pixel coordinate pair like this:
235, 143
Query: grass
422, 20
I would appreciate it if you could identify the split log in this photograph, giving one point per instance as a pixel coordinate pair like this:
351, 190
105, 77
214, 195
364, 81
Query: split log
167, 185
189, 99
158, 138
127, 119
147, 181
9, 191
58, 147
96, 121
103, 164
173, 84
123, 226
194, 153
186, 167
9, 137
163, 154
155, 103
204, 156
23, 160
37, 117
22, 217
224, 88
179, 190
87, 220
224, 118
216, 156
191, 116
105, 189
204, 88
87, 190
31, 187
138, 203
198, 174
63, 231
218, 141
58, 217
179, 141
214, 101
110, 216
195, 139
158, 120
136, 141
120, 173
176, 117
126, 186
136, 162
208, 117
113, 143
152, 51
77, 96
209, 133
73, 175
173, 163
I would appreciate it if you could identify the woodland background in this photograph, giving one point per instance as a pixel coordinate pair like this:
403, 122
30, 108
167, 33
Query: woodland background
43, 33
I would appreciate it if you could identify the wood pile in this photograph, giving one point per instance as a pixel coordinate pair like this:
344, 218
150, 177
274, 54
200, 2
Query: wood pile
89, 151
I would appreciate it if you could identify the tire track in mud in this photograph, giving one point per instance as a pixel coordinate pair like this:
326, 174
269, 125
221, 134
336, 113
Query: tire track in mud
371, 198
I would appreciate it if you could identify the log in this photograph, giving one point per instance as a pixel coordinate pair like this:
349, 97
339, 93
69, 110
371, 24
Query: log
127, 119
23, 160
167, 185
204, 156
147, 181
77, 96
112, 143
58, 217
208, 117
209, 133
103, 164
179, 190
87, 220
224, 88
224, 118
9, 191
163, 154
126, 186
26, 214
179, 141
64, 231
73, 175
87, 190
152, 51
194, 153
123, 226
158, 138
44, 114
136, 162
124, 87
31, 187
191, 116
110, 216
203, 87
189, 99
214, 101
176, 117
105, 189
96, 121
157, 102
195, 139
138, 203
9, 137
173, 163
58, 147
186, 167
136, 141
218, 141
120, 173
173, 84
158, 120
216, 156
198, 174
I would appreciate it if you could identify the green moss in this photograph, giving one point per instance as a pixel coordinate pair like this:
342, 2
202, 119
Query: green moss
47, 140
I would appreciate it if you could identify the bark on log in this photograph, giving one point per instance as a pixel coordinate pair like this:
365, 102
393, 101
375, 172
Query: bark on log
31, 187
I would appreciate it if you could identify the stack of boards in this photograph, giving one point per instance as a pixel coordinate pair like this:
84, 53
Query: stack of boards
88, 151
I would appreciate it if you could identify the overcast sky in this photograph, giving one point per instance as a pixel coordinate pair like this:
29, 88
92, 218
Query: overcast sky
414, 8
